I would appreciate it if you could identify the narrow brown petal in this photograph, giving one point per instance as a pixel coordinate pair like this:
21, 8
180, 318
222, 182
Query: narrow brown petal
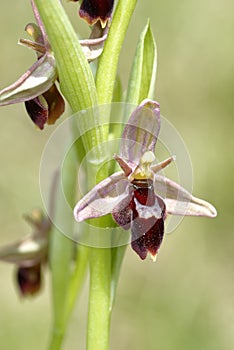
156, 168
125, 167
40, 25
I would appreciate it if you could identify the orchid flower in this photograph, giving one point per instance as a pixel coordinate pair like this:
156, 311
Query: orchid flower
96, 10
138, 197
29, 253
36, 87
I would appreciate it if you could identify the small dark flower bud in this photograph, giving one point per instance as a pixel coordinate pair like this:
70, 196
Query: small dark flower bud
29, 279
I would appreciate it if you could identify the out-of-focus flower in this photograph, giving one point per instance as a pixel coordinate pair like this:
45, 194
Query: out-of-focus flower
29, 254
29, 279
138, 197
96, 10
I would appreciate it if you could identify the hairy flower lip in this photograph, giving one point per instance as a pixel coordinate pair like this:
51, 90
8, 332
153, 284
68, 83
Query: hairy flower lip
29, 279
93, 11
118, 194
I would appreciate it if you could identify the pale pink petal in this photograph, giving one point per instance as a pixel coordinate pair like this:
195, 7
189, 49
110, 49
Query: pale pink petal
37, 80
102, 199
179, 201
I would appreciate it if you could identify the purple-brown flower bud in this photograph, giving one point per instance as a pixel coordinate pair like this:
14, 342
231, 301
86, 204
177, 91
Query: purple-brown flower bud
29, 279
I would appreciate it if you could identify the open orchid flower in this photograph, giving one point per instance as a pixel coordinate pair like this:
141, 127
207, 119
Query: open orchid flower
29, 254
96, 10
36, 87
138, 197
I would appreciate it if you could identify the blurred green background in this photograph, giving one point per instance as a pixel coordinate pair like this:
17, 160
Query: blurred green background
186, 299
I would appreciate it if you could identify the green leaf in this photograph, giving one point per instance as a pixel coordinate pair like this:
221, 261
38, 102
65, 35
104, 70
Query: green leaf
78, 277
61, 252
118, 91
143, 74
108, 62
116, 263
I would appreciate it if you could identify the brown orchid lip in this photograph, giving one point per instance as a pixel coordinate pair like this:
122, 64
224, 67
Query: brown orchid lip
96, 10
144, 213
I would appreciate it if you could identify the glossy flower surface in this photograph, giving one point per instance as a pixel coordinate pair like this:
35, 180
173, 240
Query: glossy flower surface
138, 197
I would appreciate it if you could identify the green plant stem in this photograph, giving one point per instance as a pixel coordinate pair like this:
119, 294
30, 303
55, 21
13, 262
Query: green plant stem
98, 326
61, 249
61, 252
108, 62
57, 339
100, 258
99, 302
78, 277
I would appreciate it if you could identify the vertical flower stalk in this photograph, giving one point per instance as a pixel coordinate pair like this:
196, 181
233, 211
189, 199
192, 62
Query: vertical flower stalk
78, 87
101, 258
